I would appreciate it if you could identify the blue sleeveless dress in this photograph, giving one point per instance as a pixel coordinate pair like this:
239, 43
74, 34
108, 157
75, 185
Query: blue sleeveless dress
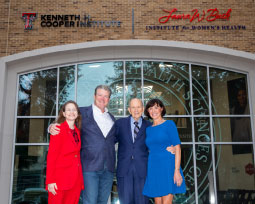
161, 163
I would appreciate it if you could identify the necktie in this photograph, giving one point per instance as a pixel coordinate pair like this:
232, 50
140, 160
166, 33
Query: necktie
136, 130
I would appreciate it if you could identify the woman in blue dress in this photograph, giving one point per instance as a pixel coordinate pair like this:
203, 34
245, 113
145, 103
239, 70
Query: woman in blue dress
164, 175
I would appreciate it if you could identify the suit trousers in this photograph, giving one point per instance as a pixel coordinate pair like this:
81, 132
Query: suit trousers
66, 196
130, 188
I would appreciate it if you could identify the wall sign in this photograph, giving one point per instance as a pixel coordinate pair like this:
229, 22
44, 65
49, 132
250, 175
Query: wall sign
73, 20
210, 15
28, 18
249, 169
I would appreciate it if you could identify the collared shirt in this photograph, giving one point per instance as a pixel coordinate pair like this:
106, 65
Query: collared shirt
103, 120
133, 125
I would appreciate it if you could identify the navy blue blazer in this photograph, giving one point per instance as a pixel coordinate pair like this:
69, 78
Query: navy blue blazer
96, 150
129, 151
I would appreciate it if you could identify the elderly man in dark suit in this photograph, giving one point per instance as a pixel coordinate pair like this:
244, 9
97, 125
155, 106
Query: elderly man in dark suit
97, 148
132, 155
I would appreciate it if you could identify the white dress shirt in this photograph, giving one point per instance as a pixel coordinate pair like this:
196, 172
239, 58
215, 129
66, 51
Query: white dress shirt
103, 120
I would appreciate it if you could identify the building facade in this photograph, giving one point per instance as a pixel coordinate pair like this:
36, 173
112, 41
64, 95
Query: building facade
197, 57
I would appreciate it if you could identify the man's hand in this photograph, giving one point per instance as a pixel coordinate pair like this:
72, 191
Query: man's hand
52, 187
171, 149
54, 130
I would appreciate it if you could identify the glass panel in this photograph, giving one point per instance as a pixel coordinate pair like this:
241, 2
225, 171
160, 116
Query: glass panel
199, 88
202, 129
188, 171
235, 175
66, 85
37, 93
116, 104
29, 175
184, 128
93, 74
133, 87
232, 97
234, 129
32, 130
170, 83
114, 192
205, 182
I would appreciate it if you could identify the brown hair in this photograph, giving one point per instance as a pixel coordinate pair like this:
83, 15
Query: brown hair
62, 119
152, 103
105, 87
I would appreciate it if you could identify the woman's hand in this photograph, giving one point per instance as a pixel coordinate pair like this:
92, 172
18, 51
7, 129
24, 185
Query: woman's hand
52, 187
177, 177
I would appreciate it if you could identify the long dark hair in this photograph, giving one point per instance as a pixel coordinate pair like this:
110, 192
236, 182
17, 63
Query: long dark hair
61, 118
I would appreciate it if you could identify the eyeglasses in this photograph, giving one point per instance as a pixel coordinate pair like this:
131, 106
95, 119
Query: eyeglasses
70, 110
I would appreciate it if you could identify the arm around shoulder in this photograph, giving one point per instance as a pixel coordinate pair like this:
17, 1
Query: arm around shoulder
54, 129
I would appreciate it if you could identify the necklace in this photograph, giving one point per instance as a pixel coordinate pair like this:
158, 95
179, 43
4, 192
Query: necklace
160, 122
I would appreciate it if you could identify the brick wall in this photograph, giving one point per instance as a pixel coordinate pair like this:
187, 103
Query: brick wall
14, 39
4, 8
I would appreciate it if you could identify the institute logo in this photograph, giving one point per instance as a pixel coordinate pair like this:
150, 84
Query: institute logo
29, 18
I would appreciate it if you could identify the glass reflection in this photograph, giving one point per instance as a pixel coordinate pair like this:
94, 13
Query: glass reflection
199, 89
116, 104
184, 128
29, 175
235, 175
133, 78
37, 93
204, 170
170, 83
188, 171
234, 129
93, 74
232, 97
66, 85
32, 130
202, 129
114, 192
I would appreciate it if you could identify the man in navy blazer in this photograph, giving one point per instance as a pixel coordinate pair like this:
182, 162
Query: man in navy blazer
97, 148
132, 155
